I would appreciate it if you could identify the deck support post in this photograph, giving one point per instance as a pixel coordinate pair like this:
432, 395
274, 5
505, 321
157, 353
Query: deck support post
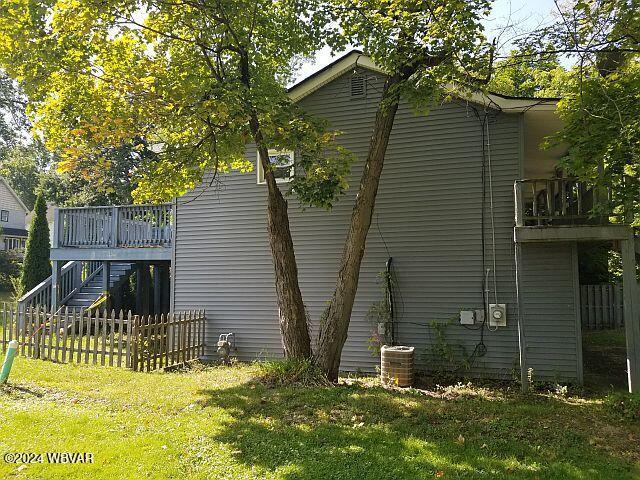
142, 288
165, 284
56, 270
106, 276
631, 312
157, 289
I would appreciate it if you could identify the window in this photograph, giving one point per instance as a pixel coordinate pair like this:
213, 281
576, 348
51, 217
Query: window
13, 243
281, 165
4, 215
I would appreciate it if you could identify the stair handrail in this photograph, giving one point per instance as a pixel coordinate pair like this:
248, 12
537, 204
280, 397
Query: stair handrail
43, 289
84, 283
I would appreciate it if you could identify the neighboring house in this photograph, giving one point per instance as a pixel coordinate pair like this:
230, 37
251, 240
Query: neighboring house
446, 214
13, 213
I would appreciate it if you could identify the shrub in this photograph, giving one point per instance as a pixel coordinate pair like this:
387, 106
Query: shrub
9, 268
293, 372
36, 266
626, 405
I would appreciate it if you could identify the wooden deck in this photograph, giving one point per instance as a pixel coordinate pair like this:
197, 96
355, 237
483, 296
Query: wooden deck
118, 233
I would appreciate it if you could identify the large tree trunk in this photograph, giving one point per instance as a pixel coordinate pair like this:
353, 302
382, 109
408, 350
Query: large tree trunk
293, 317
335, 324
292, 314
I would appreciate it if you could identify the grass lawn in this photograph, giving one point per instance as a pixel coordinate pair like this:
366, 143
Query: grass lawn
218, 423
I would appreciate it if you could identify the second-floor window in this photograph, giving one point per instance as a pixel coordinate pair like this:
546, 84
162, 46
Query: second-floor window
4, 215
282, 165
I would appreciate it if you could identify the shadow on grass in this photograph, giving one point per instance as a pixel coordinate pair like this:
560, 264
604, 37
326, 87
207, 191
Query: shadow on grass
353, 432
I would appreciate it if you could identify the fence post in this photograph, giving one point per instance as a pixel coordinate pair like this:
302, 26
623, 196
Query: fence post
134, 343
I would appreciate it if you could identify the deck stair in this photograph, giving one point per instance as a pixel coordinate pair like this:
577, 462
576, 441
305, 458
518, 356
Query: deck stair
89, 293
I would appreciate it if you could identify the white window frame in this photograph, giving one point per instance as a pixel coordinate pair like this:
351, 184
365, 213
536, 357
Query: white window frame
291, 164
2, 215
13, 244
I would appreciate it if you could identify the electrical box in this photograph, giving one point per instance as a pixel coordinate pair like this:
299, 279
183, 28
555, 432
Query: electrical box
480, 315
497, 315
467, 317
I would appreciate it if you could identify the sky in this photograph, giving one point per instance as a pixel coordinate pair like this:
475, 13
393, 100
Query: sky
523, 15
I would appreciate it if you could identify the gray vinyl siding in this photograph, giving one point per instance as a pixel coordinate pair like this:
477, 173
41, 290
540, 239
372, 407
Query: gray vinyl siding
550, 313
428, 215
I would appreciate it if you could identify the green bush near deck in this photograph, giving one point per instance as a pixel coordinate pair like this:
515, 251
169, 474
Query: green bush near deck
223, 423
36, 266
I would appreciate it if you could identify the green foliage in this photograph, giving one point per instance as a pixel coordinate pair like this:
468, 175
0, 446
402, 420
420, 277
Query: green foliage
22, 166
625, 405
526, 74
599, 105
602, 125
291, 372
30, 170
443, 356
380, 313
13, 121
593, 263
36, 266
9, 269
103, 74
429, 44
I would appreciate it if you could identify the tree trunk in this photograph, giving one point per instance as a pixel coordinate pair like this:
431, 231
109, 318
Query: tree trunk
335, 324
292, 313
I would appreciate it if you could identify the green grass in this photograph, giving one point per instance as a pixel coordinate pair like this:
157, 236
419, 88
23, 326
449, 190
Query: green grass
219, 423
605, 338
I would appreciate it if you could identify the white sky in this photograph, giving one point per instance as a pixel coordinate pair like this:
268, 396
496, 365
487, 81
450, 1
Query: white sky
521, 15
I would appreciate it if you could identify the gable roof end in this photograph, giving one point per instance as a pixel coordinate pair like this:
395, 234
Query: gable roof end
355, 59
12, 191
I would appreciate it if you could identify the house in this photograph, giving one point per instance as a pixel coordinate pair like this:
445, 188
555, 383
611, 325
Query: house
476, 223
447, 216
13, 213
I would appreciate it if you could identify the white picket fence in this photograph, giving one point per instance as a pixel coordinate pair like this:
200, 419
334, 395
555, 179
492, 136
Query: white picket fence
601, 306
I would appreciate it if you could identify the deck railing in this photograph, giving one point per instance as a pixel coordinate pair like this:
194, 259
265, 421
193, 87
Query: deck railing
558, 201
73, 276
127, 226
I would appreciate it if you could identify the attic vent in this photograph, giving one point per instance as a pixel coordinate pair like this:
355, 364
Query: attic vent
358, 86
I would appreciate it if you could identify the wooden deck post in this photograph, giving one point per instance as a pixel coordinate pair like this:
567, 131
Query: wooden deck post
157, 289
142, 288
56, 270
631, 312
106, 274
165, 285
